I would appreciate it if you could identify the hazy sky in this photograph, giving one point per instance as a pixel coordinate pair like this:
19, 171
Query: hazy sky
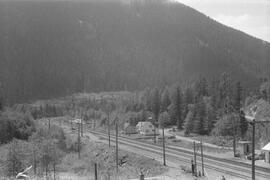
249, 16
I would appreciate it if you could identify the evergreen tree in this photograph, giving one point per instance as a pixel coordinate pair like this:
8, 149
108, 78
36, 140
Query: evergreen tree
238, 97
164, 119
188, 125
165, 100
188, 99
210, 118
188, 96
265, 90
155, 103
201, 87
228, 106
200, 117
147, 99
225, 89
214, 91
243, 124
176, 107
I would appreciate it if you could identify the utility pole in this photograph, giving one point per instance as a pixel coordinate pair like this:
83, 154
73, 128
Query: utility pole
202, 158
234, 139
96, 176
163, 138
116, 145
94, 121
35, 161
49, 124
79, 141
234, 144
155, 134
94, 124
195, 162
109, 133
81, 124
253, 149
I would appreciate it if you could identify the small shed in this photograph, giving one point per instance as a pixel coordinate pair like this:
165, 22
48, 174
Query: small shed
245, 147
266, 150
129, 129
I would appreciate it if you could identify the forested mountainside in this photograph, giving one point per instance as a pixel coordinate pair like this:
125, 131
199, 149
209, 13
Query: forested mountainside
51, 48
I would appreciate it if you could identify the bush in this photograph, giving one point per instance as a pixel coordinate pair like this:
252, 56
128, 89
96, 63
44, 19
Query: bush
55, 134
227, 125
71, 144
15, 125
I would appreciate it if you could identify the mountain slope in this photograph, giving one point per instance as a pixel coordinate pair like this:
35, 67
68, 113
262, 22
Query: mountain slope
52, 48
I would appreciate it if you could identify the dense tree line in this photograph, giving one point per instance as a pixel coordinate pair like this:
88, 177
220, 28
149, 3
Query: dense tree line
203, 106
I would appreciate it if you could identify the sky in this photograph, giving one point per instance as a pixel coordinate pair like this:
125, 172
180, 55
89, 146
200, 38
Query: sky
249, 16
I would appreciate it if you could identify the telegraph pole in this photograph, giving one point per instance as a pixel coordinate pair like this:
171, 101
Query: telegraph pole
253, 149
94, 124
81, 124
164, 158
49, 123
116, 145
79, 141
202, 158
252, 121
109, 133
94, 121
195, 162
96, 176
234, 139
155, 133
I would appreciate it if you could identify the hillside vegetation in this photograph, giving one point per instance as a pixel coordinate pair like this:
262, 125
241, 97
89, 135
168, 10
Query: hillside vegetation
52, 48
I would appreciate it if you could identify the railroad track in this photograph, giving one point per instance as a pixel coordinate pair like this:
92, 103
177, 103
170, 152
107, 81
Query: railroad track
229, 167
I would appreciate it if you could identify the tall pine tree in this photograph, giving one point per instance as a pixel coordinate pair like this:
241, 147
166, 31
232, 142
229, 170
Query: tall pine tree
188, 124
165, 100
200, 121
238, 97
177, 107
155, 104
187, 100
243, 124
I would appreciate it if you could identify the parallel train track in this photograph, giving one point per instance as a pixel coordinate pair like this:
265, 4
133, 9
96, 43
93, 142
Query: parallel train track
233, 168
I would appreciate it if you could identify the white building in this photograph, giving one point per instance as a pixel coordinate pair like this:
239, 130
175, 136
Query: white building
146, 128
266, 150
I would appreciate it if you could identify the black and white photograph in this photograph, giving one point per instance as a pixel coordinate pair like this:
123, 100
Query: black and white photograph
135, 89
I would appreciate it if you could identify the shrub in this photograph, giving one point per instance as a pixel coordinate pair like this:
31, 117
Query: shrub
71, 144
55, 134
15, 125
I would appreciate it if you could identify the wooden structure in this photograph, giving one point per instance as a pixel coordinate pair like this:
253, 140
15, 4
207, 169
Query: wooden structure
245, 147
266, 150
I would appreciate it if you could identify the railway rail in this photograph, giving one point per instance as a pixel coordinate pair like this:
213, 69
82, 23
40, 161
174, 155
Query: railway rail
229, 167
